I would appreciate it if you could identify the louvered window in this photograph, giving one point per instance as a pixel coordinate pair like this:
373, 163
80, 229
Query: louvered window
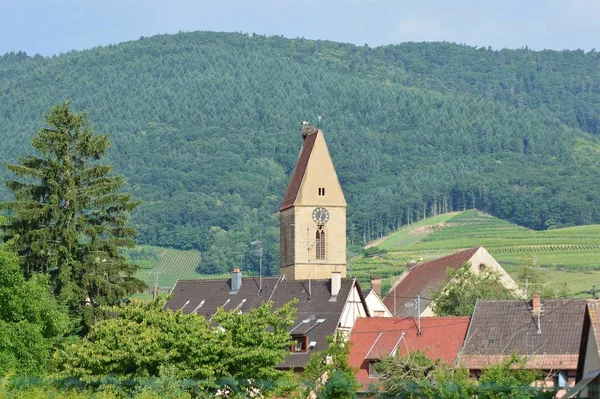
320, 244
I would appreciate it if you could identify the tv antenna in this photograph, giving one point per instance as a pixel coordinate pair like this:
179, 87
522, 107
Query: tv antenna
259, 251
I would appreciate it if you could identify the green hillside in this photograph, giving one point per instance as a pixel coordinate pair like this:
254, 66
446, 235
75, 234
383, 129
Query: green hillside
164, 266
205, 126
567, 255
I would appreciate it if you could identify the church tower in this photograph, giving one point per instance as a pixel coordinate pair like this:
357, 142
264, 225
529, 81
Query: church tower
312, 217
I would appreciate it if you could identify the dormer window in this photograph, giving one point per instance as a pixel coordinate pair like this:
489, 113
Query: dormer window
321, 191
373, 373
299, 343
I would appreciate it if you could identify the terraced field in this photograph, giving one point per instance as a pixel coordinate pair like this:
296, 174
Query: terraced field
173, 265
568, 255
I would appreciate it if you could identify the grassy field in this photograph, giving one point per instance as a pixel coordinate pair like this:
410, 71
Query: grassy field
568, 256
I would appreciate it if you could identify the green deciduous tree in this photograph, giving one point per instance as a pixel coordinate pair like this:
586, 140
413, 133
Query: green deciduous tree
140, 340
511, 380
69, 218
532, 279
415, 375
328, 373
31, 322
458, 297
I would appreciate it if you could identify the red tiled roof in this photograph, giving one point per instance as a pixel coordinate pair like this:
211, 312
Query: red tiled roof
423, 279
377, 337
292, 190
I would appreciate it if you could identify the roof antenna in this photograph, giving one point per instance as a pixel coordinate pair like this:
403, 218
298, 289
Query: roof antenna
536, 309
259, 252
419, 313
395, 302
320, 118
308, 258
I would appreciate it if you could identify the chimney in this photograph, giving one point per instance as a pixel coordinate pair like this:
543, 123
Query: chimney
376, 285
535, 304
236, 279
336, 283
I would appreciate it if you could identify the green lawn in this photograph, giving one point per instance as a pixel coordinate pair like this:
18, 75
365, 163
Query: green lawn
569, 255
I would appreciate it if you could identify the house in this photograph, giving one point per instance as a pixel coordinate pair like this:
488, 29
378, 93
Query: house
425, 278
324, 306
377, 337
546, 333
588, 368
374, 301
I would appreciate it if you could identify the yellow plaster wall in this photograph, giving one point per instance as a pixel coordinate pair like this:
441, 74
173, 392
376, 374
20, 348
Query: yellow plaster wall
482, 256
305, 236
320, 172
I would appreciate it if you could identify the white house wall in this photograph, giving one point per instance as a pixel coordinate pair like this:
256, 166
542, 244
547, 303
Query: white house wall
483, 257
352, 310
375, 304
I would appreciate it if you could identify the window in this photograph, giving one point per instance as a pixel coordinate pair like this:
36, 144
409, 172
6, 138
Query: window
482, 267
321, 191
561, 379
299, 343
320, 244
372, 369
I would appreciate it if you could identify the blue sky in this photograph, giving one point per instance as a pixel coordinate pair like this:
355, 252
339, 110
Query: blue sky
52, 27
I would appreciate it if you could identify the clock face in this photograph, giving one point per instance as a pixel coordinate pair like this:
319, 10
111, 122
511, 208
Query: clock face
320, 216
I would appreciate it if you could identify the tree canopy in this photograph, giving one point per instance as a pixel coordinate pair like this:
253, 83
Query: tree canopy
141, 340
68, 218
465, 287
205, 127
415, 375
31, 322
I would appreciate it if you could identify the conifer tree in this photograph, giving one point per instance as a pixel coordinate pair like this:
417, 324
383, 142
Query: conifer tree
69, 217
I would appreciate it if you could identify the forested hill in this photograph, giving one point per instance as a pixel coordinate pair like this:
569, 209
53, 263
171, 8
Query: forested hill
206, 127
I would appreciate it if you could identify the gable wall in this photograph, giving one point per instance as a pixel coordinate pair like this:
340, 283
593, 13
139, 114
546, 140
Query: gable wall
352, 310
320, 172
482, 256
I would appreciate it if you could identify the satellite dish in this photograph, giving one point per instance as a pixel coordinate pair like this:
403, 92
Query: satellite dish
409, 304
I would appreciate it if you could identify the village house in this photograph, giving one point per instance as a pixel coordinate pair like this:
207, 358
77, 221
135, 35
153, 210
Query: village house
545, 333
588, 368
324, 306
420, 280
374, 301
375, 338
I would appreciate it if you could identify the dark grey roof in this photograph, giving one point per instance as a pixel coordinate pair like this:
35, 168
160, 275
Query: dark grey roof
506, 327
317, 317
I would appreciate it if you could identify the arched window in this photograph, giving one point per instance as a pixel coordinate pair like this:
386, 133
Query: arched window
320, 244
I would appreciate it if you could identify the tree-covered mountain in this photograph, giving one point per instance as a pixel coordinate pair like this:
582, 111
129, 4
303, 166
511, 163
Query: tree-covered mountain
206, 128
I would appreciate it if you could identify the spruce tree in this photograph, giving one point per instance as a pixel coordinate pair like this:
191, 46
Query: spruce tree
69, 217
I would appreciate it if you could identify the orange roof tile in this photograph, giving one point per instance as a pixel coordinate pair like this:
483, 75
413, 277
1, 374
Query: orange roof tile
376, 337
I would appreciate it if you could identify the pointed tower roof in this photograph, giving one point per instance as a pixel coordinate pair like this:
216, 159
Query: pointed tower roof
312, 142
